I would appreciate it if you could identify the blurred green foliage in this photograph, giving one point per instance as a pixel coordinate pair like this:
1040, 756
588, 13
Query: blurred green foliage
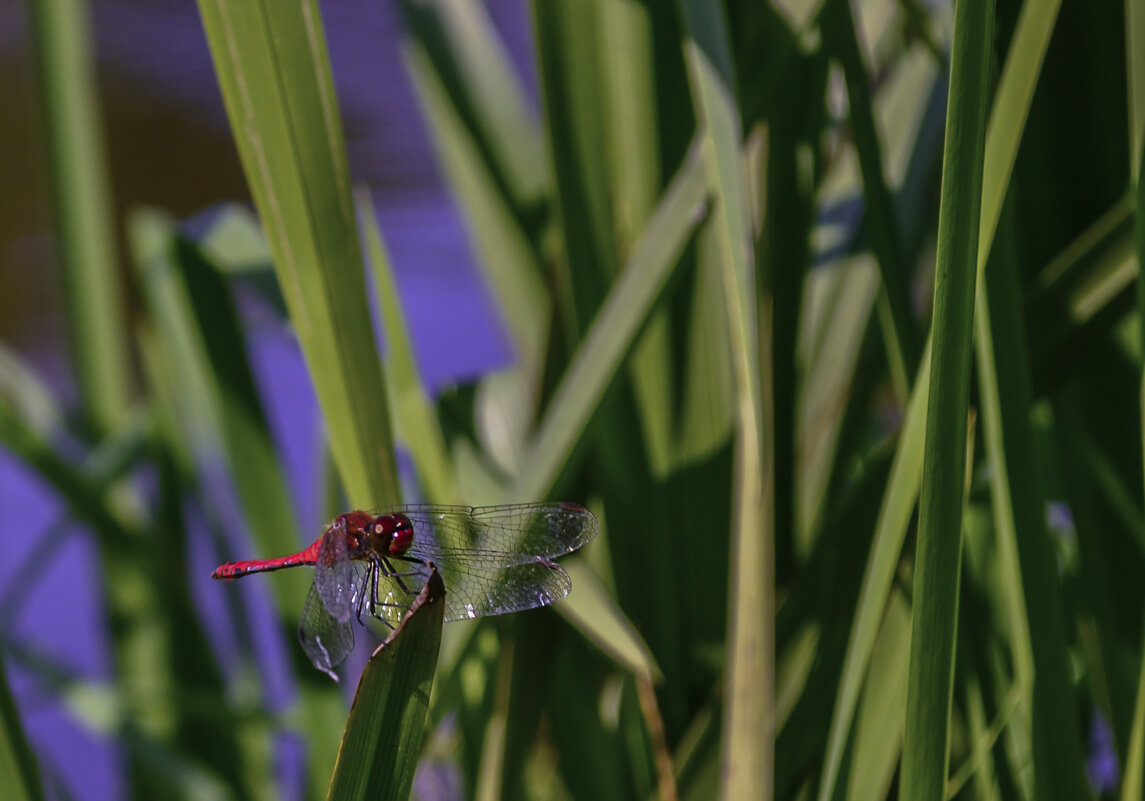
714, 251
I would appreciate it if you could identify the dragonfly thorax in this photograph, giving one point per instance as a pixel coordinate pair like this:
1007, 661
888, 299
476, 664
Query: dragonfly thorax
355, 528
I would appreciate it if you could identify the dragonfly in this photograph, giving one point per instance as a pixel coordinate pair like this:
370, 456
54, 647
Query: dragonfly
492, 559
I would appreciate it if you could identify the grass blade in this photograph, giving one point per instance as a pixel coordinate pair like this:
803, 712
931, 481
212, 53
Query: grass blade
200, 332
879, 720
749, 728
81, 196
384, 733
1133, 784
613, 334
1135, 69
415, 414
834, 364
1015, 93
938, 561
275, 78
878, 577
1011, 107
19, 771
462, 44
570, 42
593, 611
220, 414
507, 256
1019, 518
899, 329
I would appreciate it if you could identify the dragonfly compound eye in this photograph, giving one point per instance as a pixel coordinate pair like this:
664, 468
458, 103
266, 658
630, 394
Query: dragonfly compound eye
402, 536
393, 534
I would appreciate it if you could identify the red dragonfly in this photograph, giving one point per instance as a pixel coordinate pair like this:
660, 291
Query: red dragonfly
493, 560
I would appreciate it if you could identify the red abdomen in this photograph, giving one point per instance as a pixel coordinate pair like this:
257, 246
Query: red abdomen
234, 570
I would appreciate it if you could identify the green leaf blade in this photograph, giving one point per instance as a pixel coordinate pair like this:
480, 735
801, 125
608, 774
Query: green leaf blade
384, 733
938, 561
275, 77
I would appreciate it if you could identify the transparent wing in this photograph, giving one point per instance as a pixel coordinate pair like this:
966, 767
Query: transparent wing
325, 640
493, 559
333, 574
512, 534
471, 594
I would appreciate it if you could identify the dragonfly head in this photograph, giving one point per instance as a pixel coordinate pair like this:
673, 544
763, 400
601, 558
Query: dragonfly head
391, 535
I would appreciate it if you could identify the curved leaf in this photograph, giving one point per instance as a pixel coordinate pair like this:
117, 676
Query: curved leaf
384, 732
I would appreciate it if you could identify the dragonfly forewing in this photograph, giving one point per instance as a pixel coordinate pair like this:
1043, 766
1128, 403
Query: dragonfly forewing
512, 534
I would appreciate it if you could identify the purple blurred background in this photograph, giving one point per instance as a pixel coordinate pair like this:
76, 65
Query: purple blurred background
169, 146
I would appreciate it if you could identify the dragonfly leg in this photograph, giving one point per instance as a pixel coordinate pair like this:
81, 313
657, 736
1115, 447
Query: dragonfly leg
371, 577
369, 599
374, 570
375, 603
396, 576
